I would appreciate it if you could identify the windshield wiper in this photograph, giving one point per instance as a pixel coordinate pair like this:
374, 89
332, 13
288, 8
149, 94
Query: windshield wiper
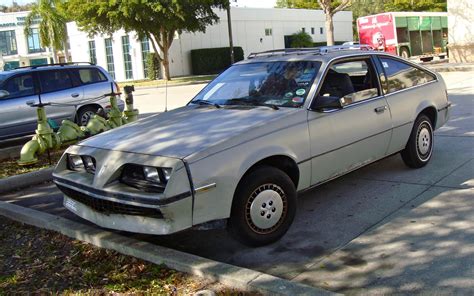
245, 101
204, 102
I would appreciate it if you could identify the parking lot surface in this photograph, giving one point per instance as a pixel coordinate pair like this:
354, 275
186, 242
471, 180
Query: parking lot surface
381, 229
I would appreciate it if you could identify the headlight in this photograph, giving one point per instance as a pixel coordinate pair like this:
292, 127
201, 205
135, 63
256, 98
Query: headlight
89, 163
145, 178
74, 162
81, 162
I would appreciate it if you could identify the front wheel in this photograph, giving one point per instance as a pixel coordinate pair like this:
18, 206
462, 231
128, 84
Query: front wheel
264, 207
419, 148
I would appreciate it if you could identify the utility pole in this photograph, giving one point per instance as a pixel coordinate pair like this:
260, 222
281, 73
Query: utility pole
231, 42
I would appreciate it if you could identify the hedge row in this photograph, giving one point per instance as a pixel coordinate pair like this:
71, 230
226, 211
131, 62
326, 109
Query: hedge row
213, 60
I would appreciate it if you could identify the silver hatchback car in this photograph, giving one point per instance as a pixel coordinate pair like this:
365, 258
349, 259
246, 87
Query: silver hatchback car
265, 129
71, 88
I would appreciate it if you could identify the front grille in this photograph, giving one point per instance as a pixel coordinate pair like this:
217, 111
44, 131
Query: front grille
110, 207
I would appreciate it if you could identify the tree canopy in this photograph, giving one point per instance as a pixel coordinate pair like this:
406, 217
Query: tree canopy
158, 20
301, 39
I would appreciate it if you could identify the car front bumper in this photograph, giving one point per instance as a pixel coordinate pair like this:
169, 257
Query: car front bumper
108, 203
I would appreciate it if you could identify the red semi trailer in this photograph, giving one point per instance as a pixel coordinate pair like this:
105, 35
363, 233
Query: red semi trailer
407, 34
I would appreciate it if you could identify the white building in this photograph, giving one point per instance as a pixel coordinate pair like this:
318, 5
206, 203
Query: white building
254, 29
461, 33
17, 49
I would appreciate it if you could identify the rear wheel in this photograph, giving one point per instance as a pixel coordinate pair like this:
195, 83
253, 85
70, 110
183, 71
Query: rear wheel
264, 207
85, 114
419, 148
404, 53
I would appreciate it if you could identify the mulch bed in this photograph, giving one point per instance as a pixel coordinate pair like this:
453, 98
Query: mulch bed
38, 261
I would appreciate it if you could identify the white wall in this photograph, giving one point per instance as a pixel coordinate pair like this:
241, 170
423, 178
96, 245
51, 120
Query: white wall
461, 30
248, 27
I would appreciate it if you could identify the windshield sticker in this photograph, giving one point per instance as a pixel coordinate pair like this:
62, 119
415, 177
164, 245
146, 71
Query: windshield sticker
289, 94
297, 100
385, 64
300, 92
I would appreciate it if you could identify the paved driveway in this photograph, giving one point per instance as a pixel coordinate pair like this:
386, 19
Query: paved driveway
384, 228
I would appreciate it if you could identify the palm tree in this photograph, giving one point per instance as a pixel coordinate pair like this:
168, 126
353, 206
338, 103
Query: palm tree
52, 26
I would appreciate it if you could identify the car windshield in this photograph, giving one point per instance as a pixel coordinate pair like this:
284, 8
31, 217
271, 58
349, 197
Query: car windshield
281, 84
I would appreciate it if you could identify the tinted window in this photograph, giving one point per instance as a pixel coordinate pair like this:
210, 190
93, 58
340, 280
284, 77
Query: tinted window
401, 75
91, 75
54, 80
19, 86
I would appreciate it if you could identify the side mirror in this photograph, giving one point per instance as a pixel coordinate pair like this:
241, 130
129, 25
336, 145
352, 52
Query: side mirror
3, 93
328, 102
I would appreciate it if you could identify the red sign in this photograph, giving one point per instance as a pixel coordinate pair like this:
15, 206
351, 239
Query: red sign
378, 31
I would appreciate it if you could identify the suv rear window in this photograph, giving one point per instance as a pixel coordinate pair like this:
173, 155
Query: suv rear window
91, 75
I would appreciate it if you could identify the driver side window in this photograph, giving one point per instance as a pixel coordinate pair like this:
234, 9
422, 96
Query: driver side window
350, 82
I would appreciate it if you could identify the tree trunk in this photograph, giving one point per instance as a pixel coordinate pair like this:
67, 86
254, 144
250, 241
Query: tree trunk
166, 64
329, 30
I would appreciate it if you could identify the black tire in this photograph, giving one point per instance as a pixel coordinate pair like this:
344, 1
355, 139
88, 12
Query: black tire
404, 53
279, 193
85, 114
419, 148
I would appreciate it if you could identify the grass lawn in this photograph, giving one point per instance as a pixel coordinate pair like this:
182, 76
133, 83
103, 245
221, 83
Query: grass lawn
175, 80
41, 262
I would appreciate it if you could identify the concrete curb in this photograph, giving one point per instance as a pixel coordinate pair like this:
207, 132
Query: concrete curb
25, 180
10, 152
233, 276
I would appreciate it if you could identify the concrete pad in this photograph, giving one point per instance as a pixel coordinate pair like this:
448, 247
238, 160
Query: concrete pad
430, 248
463, 177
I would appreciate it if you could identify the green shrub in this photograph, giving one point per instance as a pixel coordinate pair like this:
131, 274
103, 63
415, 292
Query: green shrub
153, 66
301, 39
213, 60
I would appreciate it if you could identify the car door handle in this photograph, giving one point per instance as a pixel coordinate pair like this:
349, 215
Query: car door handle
380, 109
74, 95
29, 103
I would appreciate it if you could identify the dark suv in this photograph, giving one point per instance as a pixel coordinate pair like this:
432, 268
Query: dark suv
75, 91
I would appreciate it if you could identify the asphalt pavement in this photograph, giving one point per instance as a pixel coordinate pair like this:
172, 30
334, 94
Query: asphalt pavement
381, 229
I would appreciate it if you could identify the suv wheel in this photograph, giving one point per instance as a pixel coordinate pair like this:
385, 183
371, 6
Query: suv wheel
419, 148
85, 114
264, 207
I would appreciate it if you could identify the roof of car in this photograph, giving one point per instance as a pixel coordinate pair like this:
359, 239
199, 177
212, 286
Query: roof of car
47, 67
324, 54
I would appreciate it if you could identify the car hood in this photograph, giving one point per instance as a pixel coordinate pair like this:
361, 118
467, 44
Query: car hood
185, 131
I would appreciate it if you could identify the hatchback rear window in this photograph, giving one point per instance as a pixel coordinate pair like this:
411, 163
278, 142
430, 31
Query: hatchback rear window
90, 75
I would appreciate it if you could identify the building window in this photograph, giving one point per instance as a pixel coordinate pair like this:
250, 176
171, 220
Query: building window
312, 30
127, 59
268, 32
8, 43
38, 62
145, 51
109, 55
92, 54
321, 31
34, 44
303, 30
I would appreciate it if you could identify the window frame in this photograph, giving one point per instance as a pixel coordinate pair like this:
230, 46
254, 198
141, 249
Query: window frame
40, 86
379, 62
35, 85
372, 64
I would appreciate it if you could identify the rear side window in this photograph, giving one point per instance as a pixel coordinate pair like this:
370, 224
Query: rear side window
91, 75
401, 75
55, 80
19, 86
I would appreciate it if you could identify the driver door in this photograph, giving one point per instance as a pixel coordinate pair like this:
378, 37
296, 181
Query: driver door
343, 139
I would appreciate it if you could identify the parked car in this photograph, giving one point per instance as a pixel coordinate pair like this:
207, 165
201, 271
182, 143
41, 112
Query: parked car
70, 87
267, 128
